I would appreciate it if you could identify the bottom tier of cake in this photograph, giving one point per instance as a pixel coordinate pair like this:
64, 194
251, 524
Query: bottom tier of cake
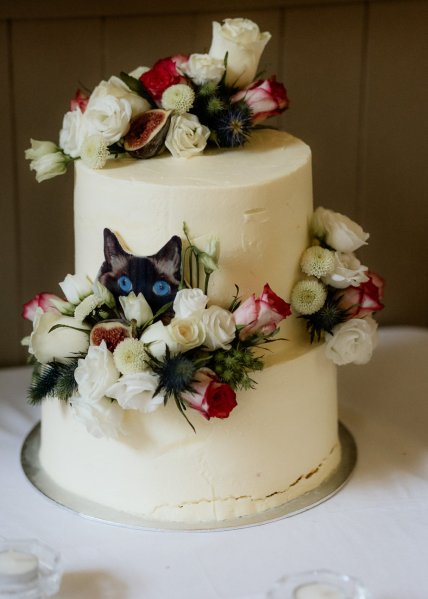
280, 442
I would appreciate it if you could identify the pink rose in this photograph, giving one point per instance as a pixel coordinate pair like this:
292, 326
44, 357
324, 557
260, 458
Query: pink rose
265, 98
80, 100
162, 75
261, 315
365, 299
211, 397
41, 300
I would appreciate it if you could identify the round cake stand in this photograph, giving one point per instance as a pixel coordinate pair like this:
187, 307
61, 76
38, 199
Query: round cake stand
36, 475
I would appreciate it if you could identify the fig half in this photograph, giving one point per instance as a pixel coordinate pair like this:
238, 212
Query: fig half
110, 331
147, 133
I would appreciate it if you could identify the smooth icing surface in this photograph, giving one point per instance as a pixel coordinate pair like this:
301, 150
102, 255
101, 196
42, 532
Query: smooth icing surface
281, 440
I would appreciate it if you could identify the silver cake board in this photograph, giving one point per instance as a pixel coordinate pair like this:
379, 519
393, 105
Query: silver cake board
89, 509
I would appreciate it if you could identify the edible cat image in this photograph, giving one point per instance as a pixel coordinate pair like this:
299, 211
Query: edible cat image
157, 277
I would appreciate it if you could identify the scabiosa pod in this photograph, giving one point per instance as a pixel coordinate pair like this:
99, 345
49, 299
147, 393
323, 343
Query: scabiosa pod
308, 296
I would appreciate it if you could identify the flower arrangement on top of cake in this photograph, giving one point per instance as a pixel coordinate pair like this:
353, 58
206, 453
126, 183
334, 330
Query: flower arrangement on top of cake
181, 103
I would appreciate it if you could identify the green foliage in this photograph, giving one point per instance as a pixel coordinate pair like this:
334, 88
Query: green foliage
53, 380
137, 86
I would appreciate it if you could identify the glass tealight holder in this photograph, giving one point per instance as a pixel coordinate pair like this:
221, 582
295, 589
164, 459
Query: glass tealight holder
318, 584
29, 569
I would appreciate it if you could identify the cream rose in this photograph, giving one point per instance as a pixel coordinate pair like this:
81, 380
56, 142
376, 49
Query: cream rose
352, 341
135, 392
220, 328
109, 116
242, 41
338, 231
76, 287
187, 332
117, 88
61, 344
186, 136
347, 271
203, 68
189, 302
135, 307
157, 337
101, 418
73, 132
96, 372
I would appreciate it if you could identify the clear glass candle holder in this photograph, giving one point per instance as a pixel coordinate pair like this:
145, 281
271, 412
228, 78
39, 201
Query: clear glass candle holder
318, 584
29, 569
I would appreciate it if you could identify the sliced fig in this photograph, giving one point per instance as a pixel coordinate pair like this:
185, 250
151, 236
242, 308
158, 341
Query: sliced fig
110, 331
147, 133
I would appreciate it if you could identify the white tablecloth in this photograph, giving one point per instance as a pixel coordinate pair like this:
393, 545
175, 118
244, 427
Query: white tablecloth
375, 528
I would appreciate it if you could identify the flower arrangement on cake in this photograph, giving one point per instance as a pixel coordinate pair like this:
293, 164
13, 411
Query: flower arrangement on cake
181, 103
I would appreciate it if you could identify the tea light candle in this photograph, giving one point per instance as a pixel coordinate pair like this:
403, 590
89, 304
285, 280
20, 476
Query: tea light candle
318, 590
18, 567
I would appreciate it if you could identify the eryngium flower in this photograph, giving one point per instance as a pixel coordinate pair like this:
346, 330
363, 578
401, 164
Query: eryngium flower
233, 126
317, 261
308, 296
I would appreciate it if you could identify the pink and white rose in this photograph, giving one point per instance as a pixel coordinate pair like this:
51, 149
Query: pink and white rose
45, 301
365, 299
261, 315
265, 98
79, 101
211, 397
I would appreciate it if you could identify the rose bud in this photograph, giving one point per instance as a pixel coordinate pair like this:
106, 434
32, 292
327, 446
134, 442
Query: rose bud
264, 99
45, 301
365, 299
261, 315
162, 75
211, 397
80, 100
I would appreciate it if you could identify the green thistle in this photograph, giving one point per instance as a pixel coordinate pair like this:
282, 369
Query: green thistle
330, 315
215, 105
233, 366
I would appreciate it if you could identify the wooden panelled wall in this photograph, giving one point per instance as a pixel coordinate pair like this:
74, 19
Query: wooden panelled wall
357, 78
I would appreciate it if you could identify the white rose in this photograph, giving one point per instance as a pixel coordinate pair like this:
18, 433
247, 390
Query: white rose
118, 88
62, 344
220, 328
76, 288
187, 332
242, 40
348, 270
352, 341
73, 132
135, 392
189, 302
203, 68
109, 116
39, 149
186, 136
158, 337
49, 166
138, 71
96, 372
339, 231
135, 307
102, 418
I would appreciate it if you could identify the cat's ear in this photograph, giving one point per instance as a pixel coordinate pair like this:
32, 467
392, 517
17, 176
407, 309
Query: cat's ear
112, 247
168, 258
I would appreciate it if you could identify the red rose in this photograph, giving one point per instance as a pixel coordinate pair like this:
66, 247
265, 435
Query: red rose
365, 299
41, 300
162, 75
261, 315
80, 100
265, 98
212, 398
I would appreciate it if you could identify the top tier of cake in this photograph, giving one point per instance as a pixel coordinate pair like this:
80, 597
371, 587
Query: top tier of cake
256, 199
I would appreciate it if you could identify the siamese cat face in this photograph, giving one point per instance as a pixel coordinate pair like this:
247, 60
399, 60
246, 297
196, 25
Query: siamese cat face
157, 277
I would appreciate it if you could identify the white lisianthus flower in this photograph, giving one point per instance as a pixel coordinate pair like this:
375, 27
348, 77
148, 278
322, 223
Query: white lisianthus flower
135, 307
94, 151
242, 41
308, 296
317, 261
347, 271
60, 345
49, 166
117, 88
129, 356
86, 306
101, 418
203, 68
39, 149
187, 332
179, 97
352, 341
189, 303
186, 136
138, 71
135, 392
339, 232
106, 297
76, 287
73, 132
96, 372
220, 328
109, 116
157, 337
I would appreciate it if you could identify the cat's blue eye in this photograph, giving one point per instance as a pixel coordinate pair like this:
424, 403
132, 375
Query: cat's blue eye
161, 288
125, 283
